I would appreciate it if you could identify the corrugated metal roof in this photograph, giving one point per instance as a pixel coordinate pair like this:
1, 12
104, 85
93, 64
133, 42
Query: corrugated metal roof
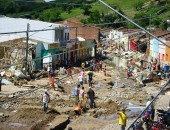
19, 24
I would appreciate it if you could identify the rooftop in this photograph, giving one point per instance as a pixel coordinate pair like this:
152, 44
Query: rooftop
19, 24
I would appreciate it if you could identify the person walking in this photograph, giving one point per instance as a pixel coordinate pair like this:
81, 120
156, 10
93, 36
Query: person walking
91, 96
122, 119
45, 100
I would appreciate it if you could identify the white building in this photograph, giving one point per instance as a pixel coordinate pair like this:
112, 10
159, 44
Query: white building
49, 37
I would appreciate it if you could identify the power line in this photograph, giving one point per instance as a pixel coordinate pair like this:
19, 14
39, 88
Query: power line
166, 84
58, 3
125, 21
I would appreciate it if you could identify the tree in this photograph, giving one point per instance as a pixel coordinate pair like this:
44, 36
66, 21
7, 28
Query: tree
8, 6
138, 5
86, 9
95, 17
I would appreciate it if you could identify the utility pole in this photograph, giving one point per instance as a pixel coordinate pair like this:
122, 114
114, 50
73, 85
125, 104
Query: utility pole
27, 39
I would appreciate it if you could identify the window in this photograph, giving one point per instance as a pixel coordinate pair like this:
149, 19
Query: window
67, 38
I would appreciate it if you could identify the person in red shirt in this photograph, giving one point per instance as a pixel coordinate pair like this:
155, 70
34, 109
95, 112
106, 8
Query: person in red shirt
69, 72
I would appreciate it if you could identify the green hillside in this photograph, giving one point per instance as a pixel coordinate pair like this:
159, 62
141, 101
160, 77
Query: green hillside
90, 11
127, 6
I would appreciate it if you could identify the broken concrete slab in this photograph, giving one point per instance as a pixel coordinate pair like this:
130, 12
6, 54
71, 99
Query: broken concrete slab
59, 123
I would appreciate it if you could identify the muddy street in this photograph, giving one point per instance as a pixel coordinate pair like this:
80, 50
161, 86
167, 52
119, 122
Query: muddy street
26, 111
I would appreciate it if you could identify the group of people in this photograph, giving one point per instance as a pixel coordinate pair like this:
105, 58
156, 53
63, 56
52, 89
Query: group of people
94, 65
80, 97
150, 113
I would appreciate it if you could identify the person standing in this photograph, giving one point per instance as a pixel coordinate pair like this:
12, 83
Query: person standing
100, 64
90, 78
122, 119
152, 109
80, 80
149, 109
91, 96
52, 76
45, 100
69, 72
76, 93
0, 82
81, 95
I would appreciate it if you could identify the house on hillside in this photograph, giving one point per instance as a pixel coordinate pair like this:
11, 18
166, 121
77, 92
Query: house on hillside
48, 40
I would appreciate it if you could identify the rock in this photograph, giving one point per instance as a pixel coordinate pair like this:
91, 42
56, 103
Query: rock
29, 86
1, 114
109, 101
92, 111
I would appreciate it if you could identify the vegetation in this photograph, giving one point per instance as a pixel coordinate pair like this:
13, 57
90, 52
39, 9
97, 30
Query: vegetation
144, 12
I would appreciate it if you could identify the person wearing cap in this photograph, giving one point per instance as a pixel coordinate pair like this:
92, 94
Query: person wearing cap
90, 96
122, 119
45, 100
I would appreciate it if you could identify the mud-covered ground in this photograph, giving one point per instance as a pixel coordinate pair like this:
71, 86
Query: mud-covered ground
26, 112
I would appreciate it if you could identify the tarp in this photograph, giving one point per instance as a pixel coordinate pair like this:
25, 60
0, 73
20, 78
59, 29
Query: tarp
133, 45
19, 74
6, 82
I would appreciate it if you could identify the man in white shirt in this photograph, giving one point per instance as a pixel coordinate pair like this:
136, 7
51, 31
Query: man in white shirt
45, 100
149, 108
80, 80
